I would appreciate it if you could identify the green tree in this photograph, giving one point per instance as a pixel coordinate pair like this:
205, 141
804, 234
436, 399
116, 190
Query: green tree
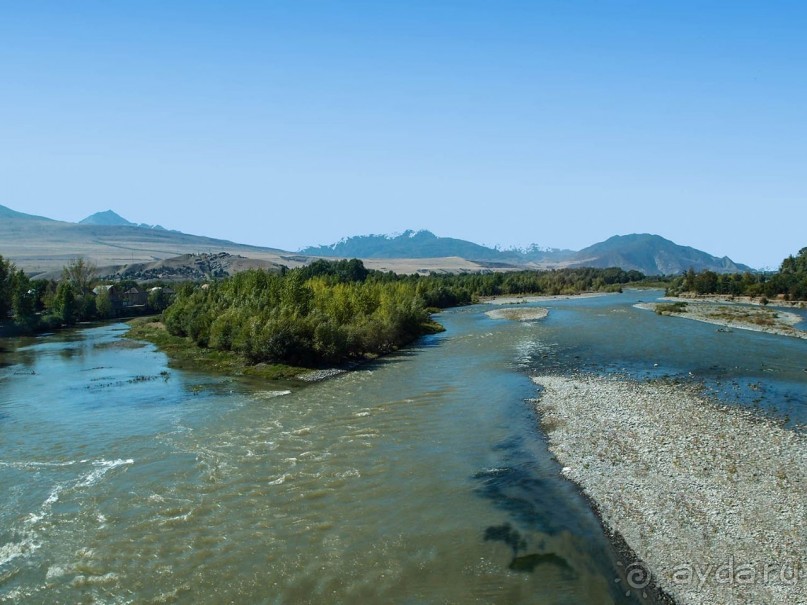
6, 275
103, 304
81, 275
158, 300
689, 280
297, 295
706, 282
64, 303
23, 299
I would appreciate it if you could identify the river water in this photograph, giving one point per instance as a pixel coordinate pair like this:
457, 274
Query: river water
422, 478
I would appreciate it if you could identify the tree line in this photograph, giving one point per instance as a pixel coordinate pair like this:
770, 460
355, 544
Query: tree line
335, 311
30, 305
789, 282
325, 312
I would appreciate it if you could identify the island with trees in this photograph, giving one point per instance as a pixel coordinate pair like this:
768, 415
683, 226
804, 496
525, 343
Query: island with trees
332, 313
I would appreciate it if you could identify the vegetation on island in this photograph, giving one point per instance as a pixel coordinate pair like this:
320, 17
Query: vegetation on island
325, 314
185, 355
788, 283
788, 286
668, 308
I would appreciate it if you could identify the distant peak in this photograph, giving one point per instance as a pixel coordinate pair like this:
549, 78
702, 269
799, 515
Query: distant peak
652, 255
637, 237
420, 233
107, 217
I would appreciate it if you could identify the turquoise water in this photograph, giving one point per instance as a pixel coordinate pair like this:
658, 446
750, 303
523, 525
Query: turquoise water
422, 478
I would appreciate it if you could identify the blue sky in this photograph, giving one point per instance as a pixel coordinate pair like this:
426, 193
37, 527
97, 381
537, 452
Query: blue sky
293, 123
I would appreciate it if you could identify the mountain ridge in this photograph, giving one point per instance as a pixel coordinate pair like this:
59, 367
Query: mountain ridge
649, 253
110, 218
8, 213
425, 244
641, 251
40, 244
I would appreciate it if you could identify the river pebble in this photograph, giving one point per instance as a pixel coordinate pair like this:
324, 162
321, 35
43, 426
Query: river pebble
712, 499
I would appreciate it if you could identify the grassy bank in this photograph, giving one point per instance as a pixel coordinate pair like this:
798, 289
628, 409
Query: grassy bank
184, 354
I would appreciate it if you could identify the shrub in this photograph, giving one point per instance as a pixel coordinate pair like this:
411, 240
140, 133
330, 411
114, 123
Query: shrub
667, 308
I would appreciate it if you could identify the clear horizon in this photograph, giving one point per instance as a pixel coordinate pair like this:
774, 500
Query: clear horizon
297, 124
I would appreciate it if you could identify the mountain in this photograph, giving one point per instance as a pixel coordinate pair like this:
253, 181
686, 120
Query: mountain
425, 244
652, 255
113, 219
8, 213
106, 218
39, 245
409, 244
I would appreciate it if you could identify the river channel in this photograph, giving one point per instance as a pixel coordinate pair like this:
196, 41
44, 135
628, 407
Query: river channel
421, 478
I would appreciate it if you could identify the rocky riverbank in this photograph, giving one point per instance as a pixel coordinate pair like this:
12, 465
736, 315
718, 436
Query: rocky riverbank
530, 298
744, 300
730, 316
712, 500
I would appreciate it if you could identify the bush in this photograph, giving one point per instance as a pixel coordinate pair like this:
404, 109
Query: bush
667, 308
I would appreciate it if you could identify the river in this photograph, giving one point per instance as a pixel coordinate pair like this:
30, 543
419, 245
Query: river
422, 478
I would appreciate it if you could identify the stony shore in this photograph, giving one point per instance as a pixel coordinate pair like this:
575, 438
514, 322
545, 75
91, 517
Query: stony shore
319, 375
519, 314
743, 300
728, 315
712, 499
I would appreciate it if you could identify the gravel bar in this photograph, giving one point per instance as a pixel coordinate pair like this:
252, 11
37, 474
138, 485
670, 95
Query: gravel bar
519, 314
318, 375
736, 316
711, 499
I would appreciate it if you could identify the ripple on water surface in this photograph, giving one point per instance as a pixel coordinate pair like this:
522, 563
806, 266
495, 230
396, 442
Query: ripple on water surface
421, 478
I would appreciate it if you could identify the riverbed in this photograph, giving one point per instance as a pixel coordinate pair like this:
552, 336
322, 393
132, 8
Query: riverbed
422, 478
